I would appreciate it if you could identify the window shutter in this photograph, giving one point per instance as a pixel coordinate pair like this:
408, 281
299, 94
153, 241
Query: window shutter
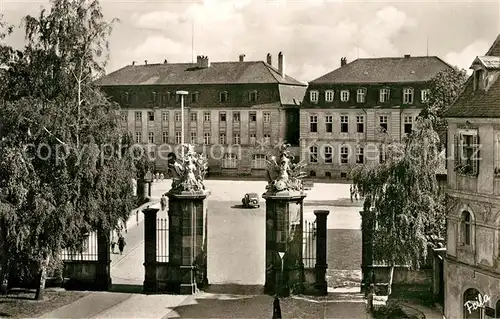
457, 156
475, 156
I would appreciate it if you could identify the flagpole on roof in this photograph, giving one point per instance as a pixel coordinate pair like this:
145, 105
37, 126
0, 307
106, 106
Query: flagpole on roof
192, 41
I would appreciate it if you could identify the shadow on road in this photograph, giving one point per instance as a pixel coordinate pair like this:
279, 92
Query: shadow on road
242, 207
129, 289
235, 289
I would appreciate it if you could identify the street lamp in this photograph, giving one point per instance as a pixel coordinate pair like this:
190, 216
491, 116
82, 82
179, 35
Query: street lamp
182, 93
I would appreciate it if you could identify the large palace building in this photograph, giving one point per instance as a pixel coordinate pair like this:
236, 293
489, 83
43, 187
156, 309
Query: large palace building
234, 112
347, 112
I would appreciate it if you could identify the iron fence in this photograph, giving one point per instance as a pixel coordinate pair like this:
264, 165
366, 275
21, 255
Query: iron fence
88, 252
162, 240
309, 244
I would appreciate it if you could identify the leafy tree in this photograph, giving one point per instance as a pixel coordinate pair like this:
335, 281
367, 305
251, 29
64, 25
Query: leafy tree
63, 168
402, 196
445, 87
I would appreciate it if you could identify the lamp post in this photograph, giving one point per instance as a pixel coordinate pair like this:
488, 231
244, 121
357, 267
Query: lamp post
182, 93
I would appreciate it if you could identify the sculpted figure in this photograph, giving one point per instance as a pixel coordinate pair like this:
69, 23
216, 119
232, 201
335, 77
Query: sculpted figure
189, 171
283, 174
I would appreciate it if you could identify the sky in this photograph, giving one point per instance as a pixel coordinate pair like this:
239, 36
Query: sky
312, 34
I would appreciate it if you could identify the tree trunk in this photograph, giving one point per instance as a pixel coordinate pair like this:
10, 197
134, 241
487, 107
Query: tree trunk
41, 279
391, 276
4, 262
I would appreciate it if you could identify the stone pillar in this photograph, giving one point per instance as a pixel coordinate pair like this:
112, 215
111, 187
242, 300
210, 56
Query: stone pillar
150, 284
321, 285
187, 213
142, 189
367, 229
284, 233
103, 276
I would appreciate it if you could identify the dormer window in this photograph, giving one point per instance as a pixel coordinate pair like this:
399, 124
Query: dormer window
408, 96
329, 96
361, 95
344, 95
479, 79
194, 97
126, 97
153, 97
252, 96
424, 95
313, 96
223, 97
384, 95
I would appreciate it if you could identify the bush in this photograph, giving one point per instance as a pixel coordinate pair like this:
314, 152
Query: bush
392, 311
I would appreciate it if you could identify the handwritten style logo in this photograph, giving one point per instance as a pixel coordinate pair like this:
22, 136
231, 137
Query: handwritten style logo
476, 304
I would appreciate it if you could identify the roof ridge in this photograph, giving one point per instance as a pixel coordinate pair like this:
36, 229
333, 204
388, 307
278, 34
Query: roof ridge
495, 43
269, 68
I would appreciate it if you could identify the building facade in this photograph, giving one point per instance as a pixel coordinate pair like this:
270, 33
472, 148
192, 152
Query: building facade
348, 112
234, 112
472, 265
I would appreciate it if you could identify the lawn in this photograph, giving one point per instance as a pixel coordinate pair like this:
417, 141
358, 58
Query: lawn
20, 303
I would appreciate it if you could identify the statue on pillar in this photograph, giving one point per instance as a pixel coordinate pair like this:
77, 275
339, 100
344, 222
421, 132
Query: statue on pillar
189, 171
283, 174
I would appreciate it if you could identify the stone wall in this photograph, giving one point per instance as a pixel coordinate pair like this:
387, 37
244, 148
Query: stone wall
80, 274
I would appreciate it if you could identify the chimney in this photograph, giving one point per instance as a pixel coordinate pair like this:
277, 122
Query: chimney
281, 64
269, 59
242, 57
165, 62
343, 61
133, 62
146, 62
202, 61
407, 56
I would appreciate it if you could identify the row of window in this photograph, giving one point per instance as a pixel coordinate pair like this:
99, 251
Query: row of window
230, 160
384, 95
193, 97
206, 138
343, 156
193, 116
383, 121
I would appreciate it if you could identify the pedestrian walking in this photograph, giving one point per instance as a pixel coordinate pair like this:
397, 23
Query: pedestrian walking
121, 244
113, 241
371, 295
352, 192
276, 308
355, 194
162, 177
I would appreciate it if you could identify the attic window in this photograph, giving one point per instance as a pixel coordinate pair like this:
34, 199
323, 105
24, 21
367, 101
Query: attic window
252, 96
126, 97
223, 97
194, 97
153, 97
479, 79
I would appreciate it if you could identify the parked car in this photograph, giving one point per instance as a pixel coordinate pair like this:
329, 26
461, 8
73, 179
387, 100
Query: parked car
250, 200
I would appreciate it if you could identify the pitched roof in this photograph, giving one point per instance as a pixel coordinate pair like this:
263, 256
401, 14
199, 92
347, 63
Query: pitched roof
478, 103
248, 72
489, 62
385, 70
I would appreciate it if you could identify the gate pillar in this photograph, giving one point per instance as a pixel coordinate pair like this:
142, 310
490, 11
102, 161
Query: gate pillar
367, 229
321, 252
187, 212
103, 271
150, 284
284, 231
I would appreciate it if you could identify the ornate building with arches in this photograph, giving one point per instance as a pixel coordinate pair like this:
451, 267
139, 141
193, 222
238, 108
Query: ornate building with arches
472, 264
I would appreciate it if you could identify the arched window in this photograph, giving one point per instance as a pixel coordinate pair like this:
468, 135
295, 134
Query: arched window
466, 228
259, 161
230, 161
497, 309
471, 296
328, 156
